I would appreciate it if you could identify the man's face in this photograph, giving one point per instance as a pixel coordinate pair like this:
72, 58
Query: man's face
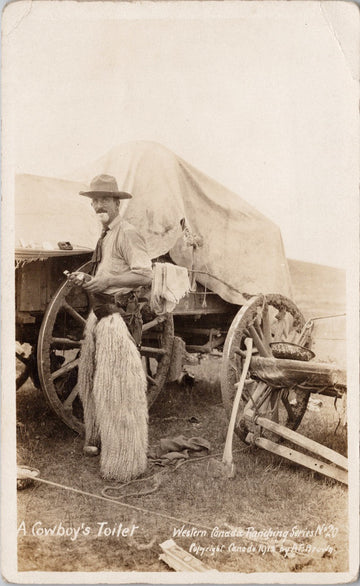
106, 208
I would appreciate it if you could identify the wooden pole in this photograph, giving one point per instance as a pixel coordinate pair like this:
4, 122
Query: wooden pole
298, 458
302, 441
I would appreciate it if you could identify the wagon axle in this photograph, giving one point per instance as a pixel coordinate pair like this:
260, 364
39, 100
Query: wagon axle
282, 372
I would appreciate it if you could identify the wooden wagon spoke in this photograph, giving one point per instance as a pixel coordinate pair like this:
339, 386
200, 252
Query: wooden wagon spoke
263, 351
65, 369
267, 407
258, 329
150, 379
234, 366
67, 343
256, 399
264, 338
280, 328
73, 312
67, 404
274, 405
155, 352
293, 336
266, 325
153, 323
148, 366
287, 405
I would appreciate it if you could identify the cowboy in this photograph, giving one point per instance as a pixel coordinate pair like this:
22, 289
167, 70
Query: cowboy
112, 382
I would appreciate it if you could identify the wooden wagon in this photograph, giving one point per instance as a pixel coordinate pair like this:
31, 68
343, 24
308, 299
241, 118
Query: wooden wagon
277, 389
51, 314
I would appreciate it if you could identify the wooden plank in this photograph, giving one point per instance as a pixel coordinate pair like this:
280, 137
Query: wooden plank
181, 560
301, 440
31, 286
302, 459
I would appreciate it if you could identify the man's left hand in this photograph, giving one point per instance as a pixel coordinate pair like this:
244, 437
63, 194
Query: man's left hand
96, 285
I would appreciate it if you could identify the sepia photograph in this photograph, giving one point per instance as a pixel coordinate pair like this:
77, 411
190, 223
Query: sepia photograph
180, 287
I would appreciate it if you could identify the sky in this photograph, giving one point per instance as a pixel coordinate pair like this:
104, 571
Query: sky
261, 96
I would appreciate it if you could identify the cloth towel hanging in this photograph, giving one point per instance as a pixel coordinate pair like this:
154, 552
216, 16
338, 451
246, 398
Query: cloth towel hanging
170, 284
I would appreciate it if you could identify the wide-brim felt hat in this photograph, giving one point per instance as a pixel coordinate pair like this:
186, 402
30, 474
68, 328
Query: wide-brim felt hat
105, 186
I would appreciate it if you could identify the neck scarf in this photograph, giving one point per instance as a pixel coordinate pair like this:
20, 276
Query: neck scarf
97, 255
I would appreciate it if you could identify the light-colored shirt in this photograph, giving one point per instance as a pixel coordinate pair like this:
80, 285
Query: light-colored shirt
123, 251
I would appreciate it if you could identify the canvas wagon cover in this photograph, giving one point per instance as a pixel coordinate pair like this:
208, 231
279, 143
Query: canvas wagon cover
240, 247
48, 211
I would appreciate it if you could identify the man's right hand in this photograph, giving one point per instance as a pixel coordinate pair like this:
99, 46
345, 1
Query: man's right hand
79, 278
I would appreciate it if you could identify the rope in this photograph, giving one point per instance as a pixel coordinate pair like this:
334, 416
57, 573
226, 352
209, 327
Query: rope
126, 505
117, 502
220, 280
328, 316
157, 476
157, 483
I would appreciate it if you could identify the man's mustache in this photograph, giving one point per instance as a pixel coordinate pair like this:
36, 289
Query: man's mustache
101, 211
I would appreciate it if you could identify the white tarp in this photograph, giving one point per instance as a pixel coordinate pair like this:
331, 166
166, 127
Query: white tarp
239, 246
49, 210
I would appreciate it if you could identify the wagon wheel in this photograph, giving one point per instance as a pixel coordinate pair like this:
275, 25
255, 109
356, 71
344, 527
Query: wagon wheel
266, 319
59, 347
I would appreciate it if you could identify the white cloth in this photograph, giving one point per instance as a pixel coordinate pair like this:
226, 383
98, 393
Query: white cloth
170, 284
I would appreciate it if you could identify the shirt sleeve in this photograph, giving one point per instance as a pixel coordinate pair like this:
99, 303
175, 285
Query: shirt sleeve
135, 253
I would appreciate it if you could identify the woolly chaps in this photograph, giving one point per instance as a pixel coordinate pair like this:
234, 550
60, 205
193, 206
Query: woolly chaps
112, 388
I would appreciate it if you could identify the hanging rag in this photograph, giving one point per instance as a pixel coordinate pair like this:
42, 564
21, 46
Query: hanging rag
170, 284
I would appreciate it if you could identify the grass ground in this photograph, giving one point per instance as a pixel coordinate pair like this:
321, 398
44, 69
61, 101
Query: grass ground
267, 493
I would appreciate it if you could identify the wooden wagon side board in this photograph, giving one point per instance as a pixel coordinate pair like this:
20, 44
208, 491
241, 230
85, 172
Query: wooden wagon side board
40, 275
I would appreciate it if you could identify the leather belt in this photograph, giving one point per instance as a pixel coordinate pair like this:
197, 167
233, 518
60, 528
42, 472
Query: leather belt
121, 300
